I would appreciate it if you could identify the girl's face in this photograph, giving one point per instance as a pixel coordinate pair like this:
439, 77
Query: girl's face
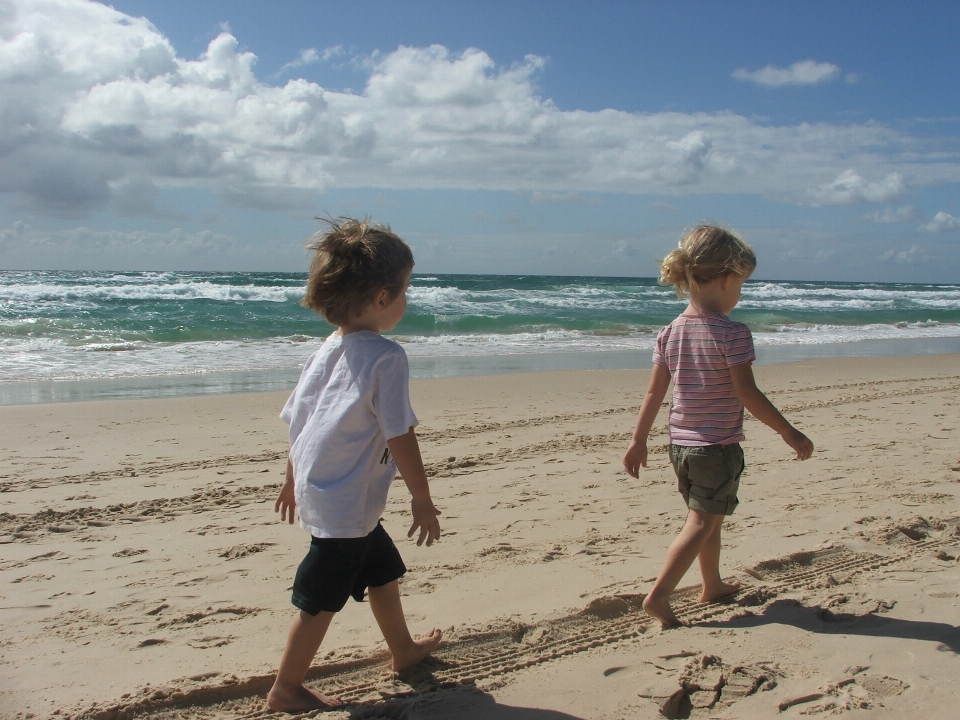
730, 287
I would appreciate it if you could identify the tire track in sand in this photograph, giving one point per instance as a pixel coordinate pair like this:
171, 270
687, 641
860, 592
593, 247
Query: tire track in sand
441, 468
26, 526
499, 649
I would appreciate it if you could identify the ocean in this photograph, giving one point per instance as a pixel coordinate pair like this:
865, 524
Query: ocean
94, 335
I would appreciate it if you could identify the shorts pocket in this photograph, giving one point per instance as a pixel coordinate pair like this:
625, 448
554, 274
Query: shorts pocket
708, 470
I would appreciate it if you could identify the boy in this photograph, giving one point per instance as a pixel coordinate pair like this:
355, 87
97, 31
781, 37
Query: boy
351, 429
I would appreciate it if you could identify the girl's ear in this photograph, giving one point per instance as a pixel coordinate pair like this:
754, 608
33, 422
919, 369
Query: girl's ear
382, 299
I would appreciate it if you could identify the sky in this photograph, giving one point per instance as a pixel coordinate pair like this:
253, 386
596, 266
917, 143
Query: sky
539, 137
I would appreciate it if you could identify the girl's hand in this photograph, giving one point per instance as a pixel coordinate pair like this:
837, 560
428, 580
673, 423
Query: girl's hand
425, 518
800, 443
635, 458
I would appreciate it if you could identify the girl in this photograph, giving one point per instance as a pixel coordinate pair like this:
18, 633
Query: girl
708, 357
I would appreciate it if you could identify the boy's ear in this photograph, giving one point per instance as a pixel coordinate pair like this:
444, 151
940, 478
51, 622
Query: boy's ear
382, 299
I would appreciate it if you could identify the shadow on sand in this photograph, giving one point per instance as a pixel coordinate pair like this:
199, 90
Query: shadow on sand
816, 619
463, 703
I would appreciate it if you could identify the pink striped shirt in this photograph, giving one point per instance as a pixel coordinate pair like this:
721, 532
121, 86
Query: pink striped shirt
698, 350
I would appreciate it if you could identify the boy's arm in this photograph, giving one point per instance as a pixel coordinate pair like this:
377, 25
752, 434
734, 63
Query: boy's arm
286, 503
636, 455
763, 410
406, 454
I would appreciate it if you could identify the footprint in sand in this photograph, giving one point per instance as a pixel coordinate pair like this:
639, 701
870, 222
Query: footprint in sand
241, 551
129, 552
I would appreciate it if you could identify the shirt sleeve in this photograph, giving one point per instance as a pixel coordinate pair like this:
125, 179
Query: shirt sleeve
658, 349
739, 345
287, 413
391, 399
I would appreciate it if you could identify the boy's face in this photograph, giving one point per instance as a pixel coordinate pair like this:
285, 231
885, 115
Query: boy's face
395, 310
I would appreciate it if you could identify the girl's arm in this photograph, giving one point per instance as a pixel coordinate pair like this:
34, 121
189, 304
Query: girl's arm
636, 455
406, 454
763, 410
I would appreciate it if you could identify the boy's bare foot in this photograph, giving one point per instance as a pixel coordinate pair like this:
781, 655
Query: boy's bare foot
661, 610
720, 591
422, 646
299, 700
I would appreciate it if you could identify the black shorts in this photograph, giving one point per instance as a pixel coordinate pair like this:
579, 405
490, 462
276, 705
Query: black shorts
336, 568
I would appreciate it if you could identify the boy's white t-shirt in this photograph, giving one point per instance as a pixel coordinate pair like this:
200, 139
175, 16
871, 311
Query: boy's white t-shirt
353, 395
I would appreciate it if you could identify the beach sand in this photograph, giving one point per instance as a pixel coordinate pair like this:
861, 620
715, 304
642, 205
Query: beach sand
145, 574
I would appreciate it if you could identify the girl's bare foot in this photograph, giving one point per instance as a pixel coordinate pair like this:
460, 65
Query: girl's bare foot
719, 591
421, 647
300, 699
661, 610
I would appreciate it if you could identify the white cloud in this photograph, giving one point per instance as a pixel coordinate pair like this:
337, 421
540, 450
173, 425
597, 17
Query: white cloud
539, 197
141, 244
849, 187
306, 57
82, 247
383, 201
914, 255
661, 206
96, 102
806, 72
887, 216
332, 52
942, 222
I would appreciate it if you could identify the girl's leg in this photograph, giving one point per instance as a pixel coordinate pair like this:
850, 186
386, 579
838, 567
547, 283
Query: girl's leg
680, 556
388, 611
288, 693
713, 586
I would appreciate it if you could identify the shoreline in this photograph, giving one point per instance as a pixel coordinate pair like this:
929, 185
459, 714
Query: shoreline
421, 368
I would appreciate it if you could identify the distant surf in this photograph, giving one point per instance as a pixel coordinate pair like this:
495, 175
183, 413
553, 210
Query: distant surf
176, 327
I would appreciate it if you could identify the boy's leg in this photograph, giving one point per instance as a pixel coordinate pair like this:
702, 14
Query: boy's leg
680, 556
713, 586
288, 693
388, 611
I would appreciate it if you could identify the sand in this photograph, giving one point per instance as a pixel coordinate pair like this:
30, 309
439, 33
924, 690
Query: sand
143, 572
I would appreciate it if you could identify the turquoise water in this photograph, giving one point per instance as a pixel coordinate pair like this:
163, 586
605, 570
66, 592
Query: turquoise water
174, 329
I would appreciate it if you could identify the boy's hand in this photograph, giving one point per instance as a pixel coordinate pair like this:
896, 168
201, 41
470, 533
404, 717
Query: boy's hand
425, 517
635, 458
800, 443
286, 503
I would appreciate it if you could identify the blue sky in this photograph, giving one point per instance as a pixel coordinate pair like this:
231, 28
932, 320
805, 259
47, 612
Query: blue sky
522, 137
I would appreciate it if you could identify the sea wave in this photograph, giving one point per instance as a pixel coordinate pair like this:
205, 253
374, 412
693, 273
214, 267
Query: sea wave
92, 325
772, 296
79, 296
33, 359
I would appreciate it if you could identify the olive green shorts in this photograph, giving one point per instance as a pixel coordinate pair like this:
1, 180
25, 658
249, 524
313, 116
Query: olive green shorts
708, 476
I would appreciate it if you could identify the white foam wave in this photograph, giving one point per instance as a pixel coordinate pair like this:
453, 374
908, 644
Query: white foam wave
78, 295
501, 302
759, 296
772, 296
31, 359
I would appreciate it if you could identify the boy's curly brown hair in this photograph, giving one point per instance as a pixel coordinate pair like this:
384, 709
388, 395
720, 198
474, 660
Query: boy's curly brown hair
352, 262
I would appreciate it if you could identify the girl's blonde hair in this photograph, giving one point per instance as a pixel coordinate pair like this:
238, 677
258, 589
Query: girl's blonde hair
352, 262
704, 254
